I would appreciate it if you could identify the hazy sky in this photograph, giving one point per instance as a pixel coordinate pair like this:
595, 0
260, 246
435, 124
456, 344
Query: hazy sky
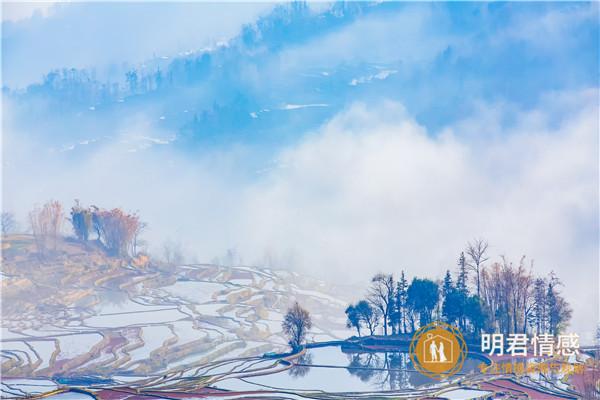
39, 37
508, 152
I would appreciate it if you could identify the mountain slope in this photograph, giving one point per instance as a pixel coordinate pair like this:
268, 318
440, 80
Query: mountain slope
86, 313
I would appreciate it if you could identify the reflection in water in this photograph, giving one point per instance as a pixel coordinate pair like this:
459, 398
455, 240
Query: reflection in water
389, 370
331, 369
302, 366
385, 370
113, 297
362, 365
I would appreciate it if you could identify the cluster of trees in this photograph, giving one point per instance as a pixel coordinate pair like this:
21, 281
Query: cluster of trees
115, 229
519, 301
290, 23
503, 297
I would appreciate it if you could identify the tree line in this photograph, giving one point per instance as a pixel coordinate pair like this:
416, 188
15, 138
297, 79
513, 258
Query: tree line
289, 22
117, 231
502, 297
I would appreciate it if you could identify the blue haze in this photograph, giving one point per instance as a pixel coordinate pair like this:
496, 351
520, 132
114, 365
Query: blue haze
225, 136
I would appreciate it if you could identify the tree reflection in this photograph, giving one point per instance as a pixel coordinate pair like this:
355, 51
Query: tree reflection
301, 366
362, 365
115, 297
384, 370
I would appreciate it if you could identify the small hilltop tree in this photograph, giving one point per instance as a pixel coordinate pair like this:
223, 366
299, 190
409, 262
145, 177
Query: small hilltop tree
296, 324
115, 229
8, 223
46, 224
82, 221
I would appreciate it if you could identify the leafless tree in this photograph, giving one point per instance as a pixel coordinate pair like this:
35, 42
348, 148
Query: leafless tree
232, 258
296, 324
381, 295
8, 223
142, 226
47, 223
524, 293
476, 252
173, 253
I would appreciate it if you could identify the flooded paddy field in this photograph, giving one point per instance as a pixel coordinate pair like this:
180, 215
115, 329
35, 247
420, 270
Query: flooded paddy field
89, 326
91, 314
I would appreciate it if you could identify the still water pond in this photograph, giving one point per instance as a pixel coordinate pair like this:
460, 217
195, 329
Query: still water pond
332, 370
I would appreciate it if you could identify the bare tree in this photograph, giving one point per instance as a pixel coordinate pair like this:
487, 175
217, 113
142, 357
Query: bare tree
232, 258
142, 226
524, 292
8, 223
296, 324
173, 253
476, 252
381, 295
47, 223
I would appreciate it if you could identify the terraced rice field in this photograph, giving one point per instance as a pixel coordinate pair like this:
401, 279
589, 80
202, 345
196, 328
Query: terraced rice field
130, 330
92, 315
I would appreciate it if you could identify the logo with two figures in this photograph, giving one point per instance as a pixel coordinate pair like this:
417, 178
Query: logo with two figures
438, 350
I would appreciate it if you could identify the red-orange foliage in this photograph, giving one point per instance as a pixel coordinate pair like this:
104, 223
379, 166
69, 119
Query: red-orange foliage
116, 229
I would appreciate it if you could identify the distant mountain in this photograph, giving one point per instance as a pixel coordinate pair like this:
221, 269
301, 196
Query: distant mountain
233, 91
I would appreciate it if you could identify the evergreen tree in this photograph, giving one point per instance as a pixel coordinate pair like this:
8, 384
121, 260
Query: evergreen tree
461, 281
398, 315
423, 296
539, 319
475, 312
559, 311
403, 296
82, 221
451, 309
447, 284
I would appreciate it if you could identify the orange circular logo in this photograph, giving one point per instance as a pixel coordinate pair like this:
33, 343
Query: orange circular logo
438, 350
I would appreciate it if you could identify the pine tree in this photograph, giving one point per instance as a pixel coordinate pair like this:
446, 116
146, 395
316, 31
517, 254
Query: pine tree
461, 281
447, 287
401, 296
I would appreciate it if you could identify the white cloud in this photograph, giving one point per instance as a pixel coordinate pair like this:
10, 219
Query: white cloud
83, 34
371, 190
548, 29
19, 10
404, 35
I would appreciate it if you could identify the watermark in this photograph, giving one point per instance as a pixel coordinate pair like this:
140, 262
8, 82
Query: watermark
519, 344
438, 350
521, 368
